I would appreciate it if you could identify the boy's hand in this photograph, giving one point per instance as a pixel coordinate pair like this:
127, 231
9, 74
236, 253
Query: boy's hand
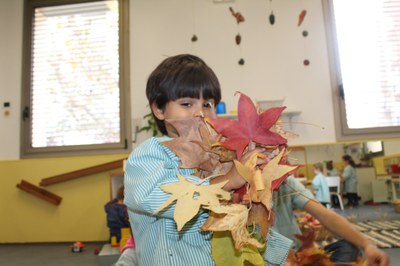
376, 256
235, 179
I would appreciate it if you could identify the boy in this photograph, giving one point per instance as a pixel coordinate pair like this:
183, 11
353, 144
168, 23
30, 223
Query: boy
181, 87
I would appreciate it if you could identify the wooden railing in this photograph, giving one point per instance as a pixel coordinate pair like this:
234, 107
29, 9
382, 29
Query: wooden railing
81, 173
55, 199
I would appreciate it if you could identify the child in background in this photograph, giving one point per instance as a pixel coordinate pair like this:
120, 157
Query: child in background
320, 186
181, 87
117, 215
331, 171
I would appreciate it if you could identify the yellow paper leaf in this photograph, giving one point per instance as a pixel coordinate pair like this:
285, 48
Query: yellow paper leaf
190, 197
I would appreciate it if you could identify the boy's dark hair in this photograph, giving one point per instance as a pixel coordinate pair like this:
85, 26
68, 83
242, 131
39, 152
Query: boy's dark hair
178, 77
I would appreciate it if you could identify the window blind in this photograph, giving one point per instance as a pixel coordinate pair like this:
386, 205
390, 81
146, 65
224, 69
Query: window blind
75, 94
368, 35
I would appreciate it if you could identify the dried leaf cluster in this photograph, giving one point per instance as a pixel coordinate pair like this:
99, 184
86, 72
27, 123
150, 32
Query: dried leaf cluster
213, 147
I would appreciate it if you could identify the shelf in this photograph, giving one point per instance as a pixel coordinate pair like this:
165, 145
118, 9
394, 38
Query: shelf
228, 116
39, 192
81, 173
290, 114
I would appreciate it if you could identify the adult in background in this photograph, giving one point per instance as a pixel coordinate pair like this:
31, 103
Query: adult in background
349, 177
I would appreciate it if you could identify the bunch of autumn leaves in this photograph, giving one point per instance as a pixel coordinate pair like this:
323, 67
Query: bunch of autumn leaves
213, 147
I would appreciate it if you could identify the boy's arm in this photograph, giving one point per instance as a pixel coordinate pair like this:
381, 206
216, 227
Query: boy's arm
149, 167
341, 227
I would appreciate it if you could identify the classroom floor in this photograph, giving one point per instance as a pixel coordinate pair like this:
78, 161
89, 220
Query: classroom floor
60, 254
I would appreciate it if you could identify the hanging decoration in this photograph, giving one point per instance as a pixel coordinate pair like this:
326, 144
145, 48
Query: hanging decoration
238, 38
271, 16
302, 15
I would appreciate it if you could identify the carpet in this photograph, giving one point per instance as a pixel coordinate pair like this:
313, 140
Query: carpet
384, 234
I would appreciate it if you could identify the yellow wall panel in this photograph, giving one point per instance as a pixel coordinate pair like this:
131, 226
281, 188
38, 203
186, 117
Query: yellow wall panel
80, 216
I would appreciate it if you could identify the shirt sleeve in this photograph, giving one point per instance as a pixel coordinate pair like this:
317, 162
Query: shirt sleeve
278, 247
347, 172
302, 194
150, 166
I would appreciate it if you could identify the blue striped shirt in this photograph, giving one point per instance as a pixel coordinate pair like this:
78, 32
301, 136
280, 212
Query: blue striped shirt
158, 242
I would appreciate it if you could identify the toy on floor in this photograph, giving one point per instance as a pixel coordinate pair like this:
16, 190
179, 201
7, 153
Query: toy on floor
77, 247
96, 250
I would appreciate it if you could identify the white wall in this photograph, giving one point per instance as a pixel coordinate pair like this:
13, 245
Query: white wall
10, 76
274, 57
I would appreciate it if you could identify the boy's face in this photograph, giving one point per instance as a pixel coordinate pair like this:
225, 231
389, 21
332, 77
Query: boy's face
185, 108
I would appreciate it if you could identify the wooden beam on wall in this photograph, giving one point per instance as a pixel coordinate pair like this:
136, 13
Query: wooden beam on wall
81, 173
39, 192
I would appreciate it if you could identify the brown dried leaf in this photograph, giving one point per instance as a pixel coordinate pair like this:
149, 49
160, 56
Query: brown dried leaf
190, 144
308, 240
190, 197
252, 175
312, 257
258, 214
278, 128
231, 218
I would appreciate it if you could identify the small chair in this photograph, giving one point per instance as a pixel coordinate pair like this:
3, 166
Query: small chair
334, 188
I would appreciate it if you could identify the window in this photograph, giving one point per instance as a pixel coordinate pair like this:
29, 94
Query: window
76, 78
364, 45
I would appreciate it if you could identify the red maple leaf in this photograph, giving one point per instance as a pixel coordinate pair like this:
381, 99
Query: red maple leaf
250, 127
306, 241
